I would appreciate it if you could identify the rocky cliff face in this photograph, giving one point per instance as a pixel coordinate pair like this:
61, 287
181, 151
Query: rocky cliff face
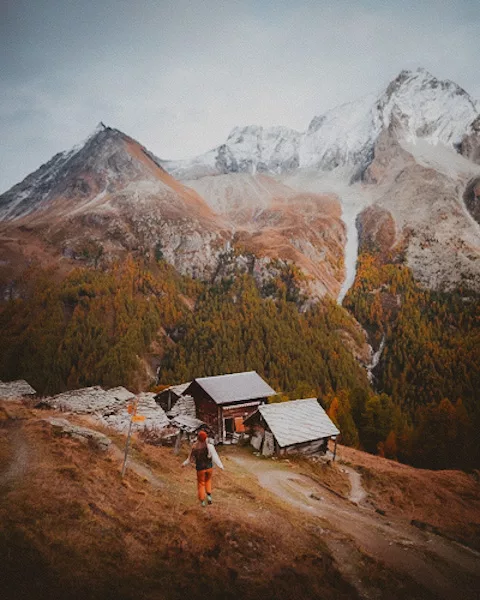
471, 197
470, 145
421, 186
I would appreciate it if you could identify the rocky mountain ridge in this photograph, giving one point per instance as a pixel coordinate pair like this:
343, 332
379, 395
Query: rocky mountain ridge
110, 196
272, 194
430, 109
107, 197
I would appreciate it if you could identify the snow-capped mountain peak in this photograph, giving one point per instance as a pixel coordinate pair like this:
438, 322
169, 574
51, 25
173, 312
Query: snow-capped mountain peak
422, 106
437, 111
34, 190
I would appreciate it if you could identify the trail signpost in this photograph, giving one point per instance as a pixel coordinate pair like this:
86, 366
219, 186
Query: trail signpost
134, 418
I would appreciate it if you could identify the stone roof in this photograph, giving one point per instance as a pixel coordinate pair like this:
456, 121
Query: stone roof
235, 387
90, 400
15, 389
179, 389
297, 421
155, 417
185, 405
111, 407
187, 423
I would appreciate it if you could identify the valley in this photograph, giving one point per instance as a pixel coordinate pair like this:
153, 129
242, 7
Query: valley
297, 254
240, 300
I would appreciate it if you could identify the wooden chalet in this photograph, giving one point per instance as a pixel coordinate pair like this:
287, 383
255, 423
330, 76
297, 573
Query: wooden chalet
224, 401
289, 427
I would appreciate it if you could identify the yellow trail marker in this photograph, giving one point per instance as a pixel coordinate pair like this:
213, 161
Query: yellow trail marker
138, 418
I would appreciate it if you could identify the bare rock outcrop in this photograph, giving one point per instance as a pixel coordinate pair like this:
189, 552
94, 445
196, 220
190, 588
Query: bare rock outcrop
470, 145
471, 198
421, 186
84, 434
376, 229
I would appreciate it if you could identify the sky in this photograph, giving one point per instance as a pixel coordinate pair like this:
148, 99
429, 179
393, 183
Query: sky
180, 75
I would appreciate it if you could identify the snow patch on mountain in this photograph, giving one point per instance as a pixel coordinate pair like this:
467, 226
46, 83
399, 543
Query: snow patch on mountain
342, 136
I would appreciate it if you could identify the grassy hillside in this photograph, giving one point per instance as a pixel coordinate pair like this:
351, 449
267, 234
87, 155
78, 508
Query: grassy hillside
70, 528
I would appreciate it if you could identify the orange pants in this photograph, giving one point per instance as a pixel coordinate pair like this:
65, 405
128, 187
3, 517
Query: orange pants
204, 483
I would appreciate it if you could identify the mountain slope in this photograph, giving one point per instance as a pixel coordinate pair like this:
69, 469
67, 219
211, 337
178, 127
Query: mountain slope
110, 193
148, 534
80, 179
110, 196
271, 220
422, 186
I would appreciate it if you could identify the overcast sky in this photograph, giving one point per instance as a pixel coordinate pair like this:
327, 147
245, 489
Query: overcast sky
179, 75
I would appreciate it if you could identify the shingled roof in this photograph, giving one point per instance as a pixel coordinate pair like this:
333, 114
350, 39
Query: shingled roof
297, 421
235, 387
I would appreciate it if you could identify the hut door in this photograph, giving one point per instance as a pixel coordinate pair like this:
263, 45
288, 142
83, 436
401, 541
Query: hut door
228, 427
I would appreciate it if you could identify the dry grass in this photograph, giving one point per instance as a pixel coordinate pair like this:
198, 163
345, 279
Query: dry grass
447, 500
328, 474
69, 528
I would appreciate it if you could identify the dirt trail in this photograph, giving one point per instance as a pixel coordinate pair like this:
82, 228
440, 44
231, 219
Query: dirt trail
138, 467
357, 493
446, 569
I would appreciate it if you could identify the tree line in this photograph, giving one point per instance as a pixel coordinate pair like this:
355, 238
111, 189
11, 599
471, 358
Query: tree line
110, 326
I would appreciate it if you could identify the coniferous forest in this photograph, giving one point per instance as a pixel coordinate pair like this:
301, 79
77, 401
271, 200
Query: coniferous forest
138, 324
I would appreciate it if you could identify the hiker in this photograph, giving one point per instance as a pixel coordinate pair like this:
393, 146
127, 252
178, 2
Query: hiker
203, 455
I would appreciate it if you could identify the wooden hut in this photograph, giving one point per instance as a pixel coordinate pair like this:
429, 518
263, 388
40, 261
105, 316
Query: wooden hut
289, 427
168, 397
224, 401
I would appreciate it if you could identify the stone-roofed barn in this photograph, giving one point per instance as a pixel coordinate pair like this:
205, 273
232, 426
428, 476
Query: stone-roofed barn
224, 401
110, 407
289, 427
12, 390
168, 397
185, 405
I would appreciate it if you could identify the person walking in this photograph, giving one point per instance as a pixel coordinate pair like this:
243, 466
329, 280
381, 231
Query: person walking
203, 455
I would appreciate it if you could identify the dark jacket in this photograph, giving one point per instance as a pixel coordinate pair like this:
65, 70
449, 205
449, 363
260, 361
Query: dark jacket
202, 460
